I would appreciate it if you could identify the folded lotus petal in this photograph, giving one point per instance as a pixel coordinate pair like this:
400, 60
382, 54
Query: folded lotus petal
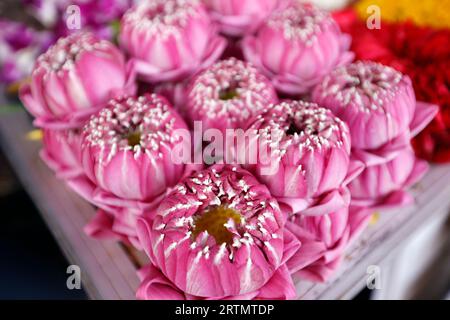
291, 85
227, 95
324, 239
291, 205
383, 154
116, 217
144, 227
319, 272
394, 200
240, 17
30, 102
125, 221
61, 152
155, 286
311, 251
145, 270
85, 188
328, 202
376, 101
335, 254
308, 152
419, 170
279, 287
355, 168
425, 112
64, 91
169, 40
213, 53
296, 47
291, 245
374, 186
82, 186
118, 224
422, 116
106, 199
124, 225
101, 226
70, 122
141, 67
218, 233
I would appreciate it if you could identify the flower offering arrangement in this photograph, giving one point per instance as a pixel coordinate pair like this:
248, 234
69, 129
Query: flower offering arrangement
242, 146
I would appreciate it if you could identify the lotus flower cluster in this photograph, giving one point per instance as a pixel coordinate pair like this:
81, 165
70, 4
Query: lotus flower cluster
307, 169
126, 155
66, 88
305, 181
379, 105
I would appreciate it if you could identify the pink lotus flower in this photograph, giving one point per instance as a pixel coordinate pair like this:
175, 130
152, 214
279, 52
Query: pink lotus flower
296, 47
383, 185
126, 155
65, 90
240, 17
306, 153
324, 239
218, 234
127, 147
378, 104
227, 94
169, 39
62, 152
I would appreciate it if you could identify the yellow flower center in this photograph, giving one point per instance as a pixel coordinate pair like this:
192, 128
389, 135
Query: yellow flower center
213, 221
230, 92
134, 138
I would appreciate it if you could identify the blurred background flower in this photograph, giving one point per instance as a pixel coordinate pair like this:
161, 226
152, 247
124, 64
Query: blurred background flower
19, 47
28, 27
423, 13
